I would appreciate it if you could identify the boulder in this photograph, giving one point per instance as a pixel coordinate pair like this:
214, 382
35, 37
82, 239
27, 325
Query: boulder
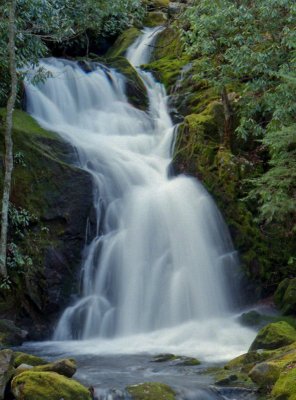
33, 385
151, 391
265, 374
22, 368
29, 359
285, 387
10, 334
66, 367
6, 370
285, 296
273, 336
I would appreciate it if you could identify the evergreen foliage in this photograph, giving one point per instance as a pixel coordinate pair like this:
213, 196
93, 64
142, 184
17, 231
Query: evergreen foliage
251, 46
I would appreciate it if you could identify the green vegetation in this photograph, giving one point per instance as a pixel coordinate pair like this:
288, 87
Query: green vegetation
151, 391
31, 385
245, 46
29, 359
273, 336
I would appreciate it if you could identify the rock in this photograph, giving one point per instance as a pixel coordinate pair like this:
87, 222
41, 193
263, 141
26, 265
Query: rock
285, 296
33, 385
24, 358
155, 18
227, 380
22, 368
151, 391
246, 362
265, 374
58, 195
157, 4
189, 361
6, 370
285, 386
251, 318
175, 8
66, 367
164, 357
10, 334
274, 335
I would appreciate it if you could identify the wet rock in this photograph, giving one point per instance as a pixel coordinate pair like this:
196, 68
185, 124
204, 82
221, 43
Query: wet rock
251, 318
285, 296
164, 357
33, 385
155, 18
6, 370
66, 367
285, 387
265, 374
24, 358
227, 380
273, 336
151, 391
10, 334
22, 368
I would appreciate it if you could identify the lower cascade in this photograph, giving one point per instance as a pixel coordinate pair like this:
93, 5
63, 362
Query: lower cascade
162, 260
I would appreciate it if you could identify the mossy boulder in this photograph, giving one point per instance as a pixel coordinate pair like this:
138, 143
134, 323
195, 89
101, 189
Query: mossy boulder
134, 87
157, 4
66, 367
274, 335
285, 296
265, 374
285, 386
10, 334
6, 370
29, 359
123, 42
151, 391
32, 385
57, 194
155, 18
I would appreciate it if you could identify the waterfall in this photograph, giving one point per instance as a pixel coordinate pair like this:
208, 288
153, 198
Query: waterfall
162, 255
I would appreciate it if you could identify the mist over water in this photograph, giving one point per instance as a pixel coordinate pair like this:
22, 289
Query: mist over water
159, 274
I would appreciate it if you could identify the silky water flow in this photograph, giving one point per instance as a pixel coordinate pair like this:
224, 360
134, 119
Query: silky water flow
159, 275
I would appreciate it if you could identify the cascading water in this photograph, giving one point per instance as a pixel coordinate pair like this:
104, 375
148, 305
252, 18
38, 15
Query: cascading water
162, 257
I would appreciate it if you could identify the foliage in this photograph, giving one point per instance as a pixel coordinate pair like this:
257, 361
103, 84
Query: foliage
40, 23
252, 45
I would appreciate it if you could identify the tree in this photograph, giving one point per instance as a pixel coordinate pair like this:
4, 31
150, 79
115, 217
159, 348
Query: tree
8, 137
251, 46
26, 28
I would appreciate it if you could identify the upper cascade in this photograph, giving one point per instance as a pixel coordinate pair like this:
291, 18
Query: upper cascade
162, 255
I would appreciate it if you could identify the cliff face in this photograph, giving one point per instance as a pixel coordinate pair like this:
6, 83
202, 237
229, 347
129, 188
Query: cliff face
51, 202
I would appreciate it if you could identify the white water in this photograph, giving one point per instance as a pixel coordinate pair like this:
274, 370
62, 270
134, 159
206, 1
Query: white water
159, 274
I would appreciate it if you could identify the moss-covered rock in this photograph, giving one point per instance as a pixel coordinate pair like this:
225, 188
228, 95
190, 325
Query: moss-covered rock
265, 374
66, 367
134, 87
151, 391
29, 359
285, 296
10, 334
6, 370
285, 386
47, 386
123, 42
274, 335
155, 18
57, 195
156, 4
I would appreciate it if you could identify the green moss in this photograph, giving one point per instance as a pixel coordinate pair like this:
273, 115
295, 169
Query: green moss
155, 18
285, 296
151, 391
265, 375
47, 386
274, 335
24, 358
157, 3
66, 367
285, 387
123, 42
134, 87
165, 357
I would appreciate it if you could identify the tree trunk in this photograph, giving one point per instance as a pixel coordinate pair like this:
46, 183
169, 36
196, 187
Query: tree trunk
8, 138
228, 119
